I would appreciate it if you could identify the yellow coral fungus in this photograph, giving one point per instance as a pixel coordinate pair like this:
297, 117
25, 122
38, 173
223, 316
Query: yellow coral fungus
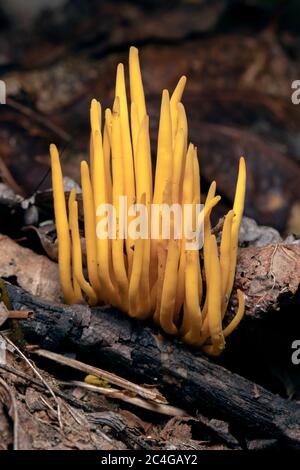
143, 233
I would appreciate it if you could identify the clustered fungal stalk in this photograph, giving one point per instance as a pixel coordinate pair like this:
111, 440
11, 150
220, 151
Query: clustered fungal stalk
185, 291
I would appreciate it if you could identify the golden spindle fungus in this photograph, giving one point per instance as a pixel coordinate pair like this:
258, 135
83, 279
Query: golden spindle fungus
143, 176
107, 152
139, 281
164, 161
187, 198
182, 124
238, 208
142, 275
214, 302
90, 229
178, 166
168, 295
118, 259
129, 181
102, 242
238, 316
62, 227
76, 286
225, 260
77, 256
175, 99
95, 119
192, 317
136, 84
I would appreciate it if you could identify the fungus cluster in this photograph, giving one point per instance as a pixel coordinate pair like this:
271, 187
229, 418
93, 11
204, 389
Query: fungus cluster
185, 291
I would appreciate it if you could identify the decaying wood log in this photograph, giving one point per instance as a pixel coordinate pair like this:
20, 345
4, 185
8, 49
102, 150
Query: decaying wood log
135, 349
267, 275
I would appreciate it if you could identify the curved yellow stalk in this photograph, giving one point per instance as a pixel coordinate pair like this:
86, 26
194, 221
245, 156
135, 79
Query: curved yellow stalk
136, 84
134, 122
163, 176
214, 302
107, 152
90, 229
238, 208
197, 190
182, 124
178, 166
95, 119
62, 227
139, 282
95, 116
127, 154
76, 286
175, 99
102, 243
135, 305
118, 190
143, 167
210, 203
225, 256
238, 316
206, 247
161, 259
197, 200
168, 296
77, 255
164, 160
187, 198
143, 176
192, 318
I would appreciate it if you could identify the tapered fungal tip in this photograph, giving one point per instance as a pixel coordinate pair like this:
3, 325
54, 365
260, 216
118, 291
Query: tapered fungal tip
190, 148
107, 113
120, 68
243, 162
165, 95
84, 166
52, 148
133, 50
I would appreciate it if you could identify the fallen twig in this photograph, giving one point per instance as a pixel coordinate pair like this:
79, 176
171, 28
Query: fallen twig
20, 314
147, 393
119, 395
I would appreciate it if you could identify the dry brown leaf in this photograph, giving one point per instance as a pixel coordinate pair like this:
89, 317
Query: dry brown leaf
34, 273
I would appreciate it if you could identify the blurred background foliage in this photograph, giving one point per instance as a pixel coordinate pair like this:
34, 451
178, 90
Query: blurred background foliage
240, 57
